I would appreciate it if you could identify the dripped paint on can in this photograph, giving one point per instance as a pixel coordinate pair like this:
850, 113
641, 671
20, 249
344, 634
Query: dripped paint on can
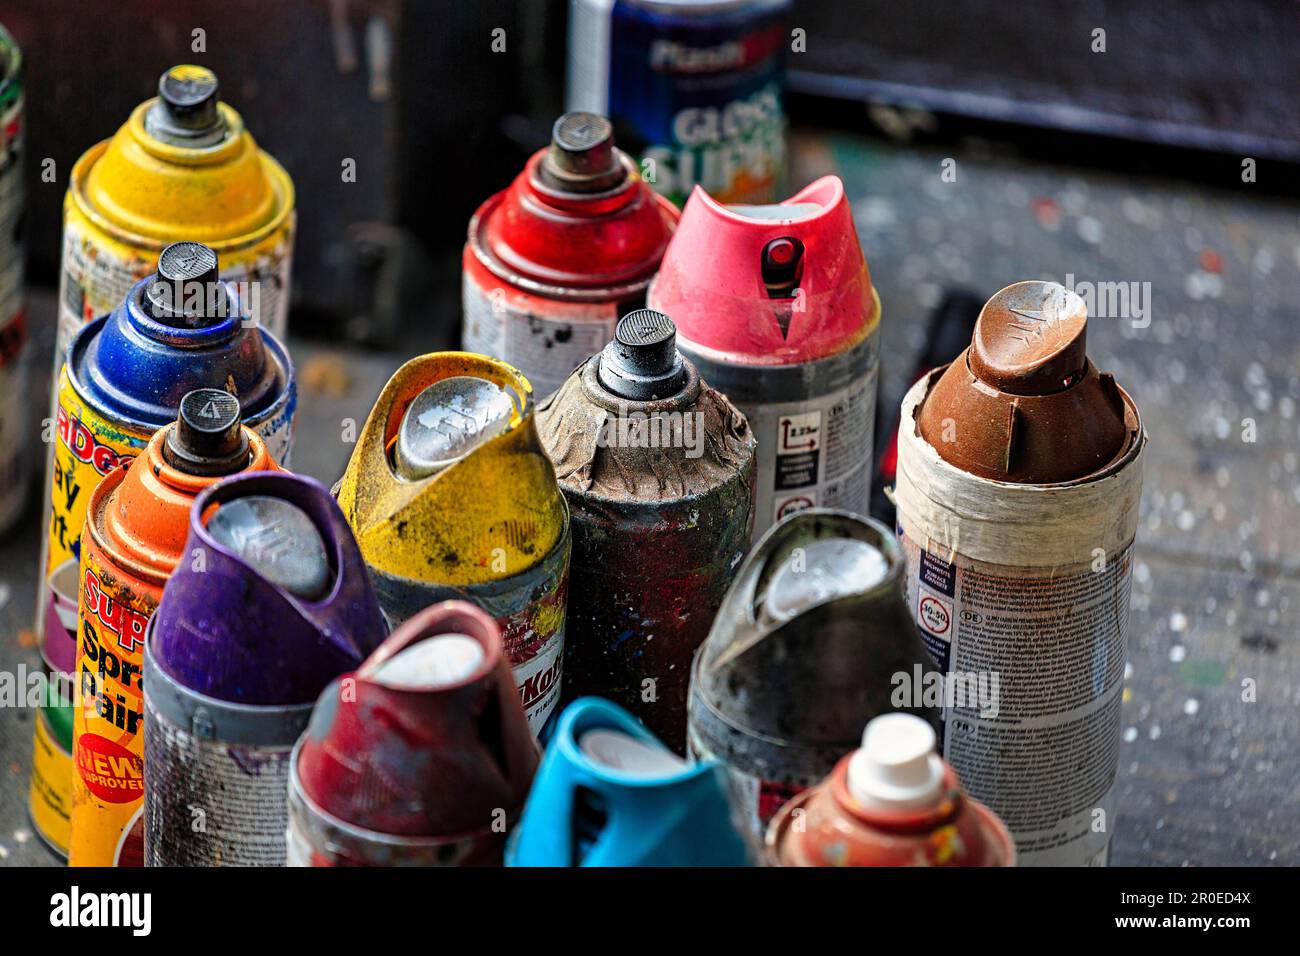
183, 166
1018, 481
658, 470
274, 603
804, 651
124, 379
15, 442
422, 757
696, 88
775, 306
451, 495
556, 259
609, 793
136, 525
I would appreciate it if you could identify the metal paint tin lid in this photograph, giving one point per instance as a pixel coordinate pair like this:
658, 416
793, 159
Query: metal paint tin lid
447, 421
444, 660
823, 571
634, 756
276, 539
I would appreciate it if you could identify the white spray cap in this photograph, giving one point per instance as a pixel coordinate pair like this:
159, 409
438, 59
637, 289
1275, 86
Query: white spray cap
897, 767
441, 661
630, 755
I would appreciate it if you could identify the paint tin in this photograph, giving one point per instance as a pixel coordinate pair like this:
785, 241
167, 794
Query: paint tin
696, 88
124, 379
892, 802
273, 605
658, 470
182, 167
451, 495
15, 441
805, 650
775, 306
556, 259
609, 793
1019, 474
422, 757
136, 525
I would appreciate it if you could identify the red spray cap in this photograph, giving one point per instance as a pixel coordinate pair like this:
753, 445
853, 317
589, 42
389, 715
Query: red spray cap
428, 737
768, 285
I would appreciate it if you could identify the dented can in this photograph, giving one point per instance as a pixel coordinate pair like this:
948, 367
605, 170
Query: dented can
805, 650
775, 306
658, 470
451, 495
1018, 480
609, 793
422, 757
124, 379
555, 260
134, 538
15, 440
272, 604
892, 802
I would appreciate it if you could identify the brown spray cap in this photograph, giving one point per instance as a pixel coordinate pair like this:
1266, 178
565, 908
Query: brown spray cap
1023, 404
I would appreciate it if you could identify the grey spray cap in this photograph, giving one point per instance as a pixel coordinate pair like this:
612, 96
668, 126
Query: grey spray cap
187, 291
207, 438
642, 362
185, 113
582, 157
447, 421
276, 539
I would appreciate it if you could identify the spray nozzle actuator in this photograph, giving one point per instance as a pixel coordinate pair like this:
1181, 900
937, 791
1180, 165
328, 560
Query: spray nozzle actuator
897, 767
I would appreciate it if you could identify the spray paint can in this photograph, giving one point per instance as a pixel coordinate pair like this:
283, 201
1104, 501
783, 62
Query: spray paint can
892, 802
422, 757
1019, 474
275, 604
451, 495
775, 306
14, 397
658, 470
556, 259
135, 531
124, 379
696, 89
609, 793
804, 651
182, 167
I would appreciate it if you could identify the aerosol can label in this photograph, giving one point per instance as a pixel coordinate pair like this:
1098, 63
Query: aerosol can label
50, 801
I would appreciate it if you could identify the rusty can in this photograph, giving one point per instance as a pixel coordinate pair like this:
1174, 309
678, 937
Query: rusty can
451, 495
658, 470
136, 525
892, 802
422, 757
555, 260
15, 440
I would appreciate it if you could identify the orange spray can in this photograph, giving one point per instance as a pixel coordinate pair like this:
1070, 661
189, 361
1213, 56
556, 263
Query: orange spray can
136, 526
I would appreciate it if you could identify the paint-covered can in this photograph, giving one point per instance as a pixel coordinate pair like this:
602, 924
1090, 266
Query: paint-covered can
136, 524
1019, 474
555, 260
813, 640
272, 603
183, 166
422, 757
695, 88
609, 793
15, 416
775, 306
451, 495
892, 802
658, 470
124, 379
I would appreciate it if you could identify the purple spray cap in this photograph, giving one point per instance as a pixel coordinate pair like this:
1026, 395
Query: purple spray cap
271, 599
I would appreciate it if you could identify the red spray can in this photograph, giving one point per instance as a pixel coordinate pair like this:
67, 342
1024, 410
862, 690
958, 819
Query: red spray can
421, 757
894, 802
555, 260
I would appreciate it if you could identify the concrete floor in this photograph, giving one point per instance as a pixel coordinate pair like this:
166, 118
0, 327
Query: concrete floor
1205, 777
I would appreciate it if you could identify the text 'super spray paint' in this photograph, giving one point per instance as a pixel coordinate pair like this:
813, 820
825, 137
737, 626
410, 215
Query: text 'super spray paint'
451, 495
819, 602
422, 757
775, 306
182, 167
695, 89
658, 469
1019, 473
609, 793
15, 443
136, 524
272, 603
124, 379
556, 259
892, 802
